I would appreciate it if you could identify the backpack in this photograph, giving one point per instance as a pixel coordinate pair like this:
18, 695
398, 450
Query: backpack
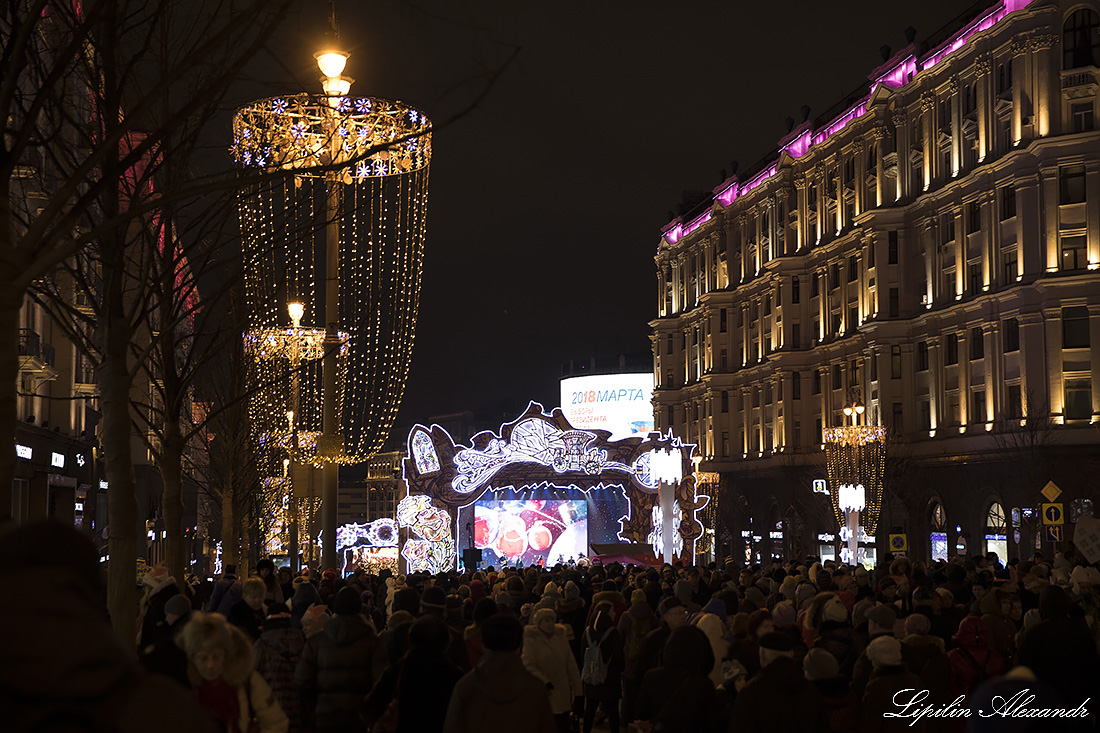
594, 669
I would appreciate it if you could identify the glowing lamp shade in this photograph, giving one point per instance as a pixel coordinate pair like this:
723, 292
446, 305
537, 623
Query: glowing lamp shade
331, 63
336, 86
296, 311
852, 498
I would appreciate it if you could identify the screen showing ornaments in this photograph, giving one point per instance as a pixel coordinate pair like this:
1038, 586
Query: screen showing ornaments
531, 531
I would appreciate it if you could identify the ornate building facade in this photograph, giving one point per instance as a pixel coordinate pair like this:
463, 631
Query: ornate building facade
928, 248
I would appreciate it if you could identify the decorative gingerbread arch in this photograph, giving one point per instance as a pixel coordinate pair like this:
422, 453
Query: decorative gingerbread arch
540, 451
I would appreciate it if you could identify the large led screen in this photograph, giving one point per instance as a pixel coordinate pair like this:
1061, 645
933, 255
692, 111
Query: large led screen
618, 403
531, 531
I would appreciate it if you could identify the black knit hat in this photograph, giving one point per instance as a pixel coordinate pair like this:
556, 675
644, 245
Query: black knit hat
348, 602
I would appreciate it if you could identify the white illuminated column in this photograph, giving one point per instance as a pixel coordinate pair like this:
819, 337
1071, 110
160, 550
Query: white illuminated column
852, 500
668, 468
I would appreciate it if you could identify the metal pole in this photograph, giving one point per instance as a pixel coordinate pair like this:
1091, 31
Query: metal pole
667, 496
294, 514
853, 535
331, 444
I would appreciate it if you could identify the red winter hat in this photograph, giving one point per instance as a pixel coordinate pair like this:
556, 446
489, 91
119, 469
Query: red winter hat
329, 574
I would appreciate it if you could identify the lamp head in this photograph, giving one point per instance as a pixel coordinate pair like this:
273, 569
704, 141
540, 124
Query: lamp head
860, 408
848, 410
296, 311
331, 62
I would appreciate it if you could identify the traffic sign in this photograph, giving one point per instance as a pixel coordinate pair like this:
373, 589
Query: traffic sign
1053, 532
898, 543
1053, 514
1051, 491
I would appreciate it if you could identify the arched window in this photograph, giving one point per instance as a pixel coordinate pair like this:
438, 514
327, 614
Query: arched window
996, 533
938, 536
1081, 40
427, 461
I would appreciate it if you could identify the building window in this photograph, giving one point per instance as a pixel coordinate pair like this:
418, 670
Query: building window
977, 406
1071, 184
925, 415
1073, 252
974, 275
1075, 327
922, 356
895, 303
725, 443
668, 347
1004, 77
796, 386
895, 362
977, 344
669, 379
1008, 202
725, 402
723, 360
796, 335
1011, 335
951, 349
871, 256
796, 291
896, 418
1081, 40
973, 217
853, 318
892, 247
670, 416
947, 229
723, 321
1081, 117
1078, 399
816, 382
1014, 406
853, 269
1012, 267
837, 383
815, 286
834, 276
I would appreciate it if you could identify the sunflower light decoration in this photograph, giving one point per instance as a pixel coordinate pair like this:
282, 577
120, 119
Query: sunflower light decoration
333, 218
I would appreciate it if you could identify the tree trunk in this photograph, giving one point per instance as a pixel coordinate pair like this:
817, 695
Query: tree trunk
171, 474
9, 378
114, 386
229, 522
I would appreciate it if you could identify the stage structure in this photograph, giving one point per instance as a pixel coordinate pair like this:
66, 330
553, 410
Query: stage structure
855, 458
543, 492
333, 234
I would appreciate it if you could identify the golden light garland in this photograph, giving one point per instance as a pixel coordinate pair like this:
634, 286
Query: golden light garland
856, 454
367, 160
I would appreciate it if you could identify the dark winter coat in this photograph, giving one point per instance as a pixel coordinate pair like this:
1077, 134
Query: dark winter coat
247, 620
62, 668
885, 683
153, 621
164, 656
277, 653
334, 672
422, 684
652, 652
840, 705
923, 654
227, 591
678, 695
499, 692
778, 699
611, 648
837, 638
572, 613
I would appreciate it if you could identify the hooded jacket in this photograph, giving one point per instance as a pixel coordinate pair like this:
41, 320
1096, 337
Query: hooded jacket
551, 660
499, 691
334, 672
778, 699
972, 661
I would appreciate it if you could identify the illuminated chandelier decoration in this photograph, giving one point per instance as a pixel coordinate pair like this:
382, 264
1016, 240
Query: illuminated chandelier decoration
319, 166
855, 456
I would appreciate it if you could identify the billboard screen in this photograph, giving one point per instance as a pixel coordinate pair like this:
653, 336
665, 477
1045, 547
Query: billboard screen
619, 403
530, 531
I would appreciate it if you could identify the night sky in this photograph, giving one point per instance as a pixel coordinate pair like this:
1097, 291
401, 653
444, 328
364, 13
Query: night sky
547, 199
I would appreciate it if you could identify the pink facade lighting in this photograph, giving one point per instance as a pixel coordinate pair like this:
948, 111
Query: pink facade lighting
896, 77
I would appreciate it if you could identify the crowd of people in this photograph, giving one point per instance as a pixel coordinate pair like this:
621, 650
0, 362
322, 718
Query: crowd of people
790, 645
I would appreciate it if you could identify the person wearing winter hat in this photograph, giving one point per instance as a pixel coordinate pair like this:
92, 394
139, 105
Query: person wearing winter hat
159, 587
546, 655
880, 622
248, 613
572, 613
711, 620
925, 656
889, 678
305, 595
841, 708
164, 655
223, 681
277, 652
778, 698
227, 591
335, 672
634, 625
265, 570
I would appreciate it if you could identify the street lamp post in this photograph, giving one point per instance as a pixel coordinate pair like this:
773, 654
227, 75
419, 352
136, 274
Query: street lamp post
855, 455
336, 86
296, 311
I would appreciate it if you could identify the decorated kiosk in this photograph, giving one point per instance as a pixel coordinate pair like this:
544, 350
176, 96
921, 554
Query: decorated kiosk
543, 492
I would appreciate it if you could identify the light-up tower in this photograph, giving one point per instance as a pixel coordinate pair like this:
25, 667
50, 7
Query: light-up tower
855, 456
332, 219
